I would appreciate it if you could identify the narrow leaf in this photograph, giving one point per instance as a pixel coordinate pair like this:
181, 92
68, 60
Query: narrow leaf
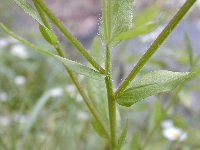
28, 8
81, 69
122, 137
36, 111
135, 144
194, 72
97, 90
156, 115
71, 65
189, 49
150, 84
136, 31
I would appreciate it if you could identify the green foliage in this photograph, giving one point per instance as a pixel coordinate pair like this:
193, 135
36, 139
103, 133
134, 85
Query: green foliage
97, 90
122, 137
59, 120
149, 84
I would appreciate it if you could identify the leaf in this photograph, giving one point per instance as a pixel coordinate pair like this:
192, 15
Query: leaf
36, 111
71, 65
150, 84
194, 72
135, 144
122, 137
97, 90
156, 115
122, 15
136, 31
46, 33
81, 69
189, 49
146, 16
27, 8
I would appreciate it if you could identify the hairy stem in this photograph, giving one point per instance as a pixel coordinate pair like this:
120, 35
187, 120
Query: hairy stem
111, 101
156, 44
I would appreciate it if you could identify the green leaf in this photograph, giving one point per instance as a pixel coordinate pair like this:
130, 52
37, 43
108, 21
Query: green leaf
81, 69
135, 144
46, 33
122, 137
189, 49
150, 84
136, 31
156, 115
146, 16
122, 16
97, 90
36, 111
71, 65
28, 8
194, 72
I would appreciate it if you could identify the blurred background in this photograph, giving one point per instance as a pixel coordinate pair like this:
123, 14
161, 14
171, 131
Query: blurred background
40, 108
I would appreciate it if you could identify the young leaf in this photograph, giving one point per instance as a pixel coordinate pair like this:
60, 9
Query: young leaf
150, 84
97, 90
135, 144
136, 31
46, 33
122, 137
121, 21
71, 65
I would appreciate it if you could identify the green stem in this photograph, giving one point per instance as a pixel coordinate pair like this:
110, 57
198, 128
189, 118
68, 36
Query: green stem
156, 44
69, 36
111, 101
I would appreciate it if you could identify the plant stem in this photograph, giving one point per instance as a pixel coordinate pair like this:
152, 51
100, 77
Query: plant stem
156, 44
111, 101
69, 36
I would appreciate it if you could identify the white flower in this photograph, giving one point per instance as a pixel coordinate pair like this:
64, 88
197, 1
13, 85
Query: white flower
20, 51
3, 96
173, 133
19, 80
56, 92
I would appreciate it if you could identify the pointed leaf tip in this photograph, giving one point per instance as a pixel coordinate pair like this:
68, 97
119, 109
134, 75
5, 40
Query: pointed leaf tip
150, 84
